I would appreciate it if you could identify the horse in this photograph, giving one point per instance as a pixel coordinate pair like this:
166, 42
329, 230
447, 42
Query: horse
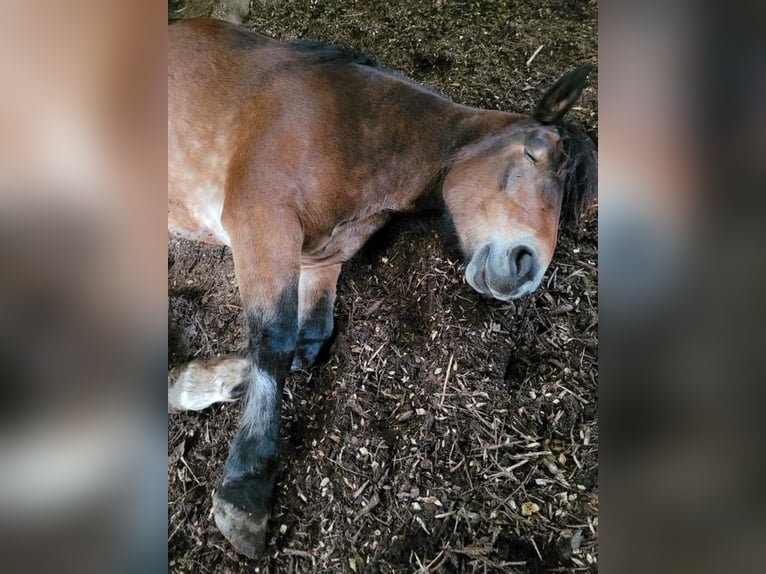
294, 154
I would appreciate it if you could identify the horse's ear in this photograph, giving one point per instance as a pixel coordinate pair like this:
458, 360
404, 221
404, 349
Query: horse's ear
562, 95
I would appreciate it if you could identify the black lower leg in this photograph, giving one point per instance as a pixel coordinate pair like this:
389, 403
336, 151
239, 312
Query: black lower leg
243, 502
315, 333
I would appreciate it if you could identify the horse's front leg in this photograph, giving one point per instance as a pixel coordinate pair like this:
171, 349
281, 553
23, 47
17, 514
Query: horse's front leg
315, 305
266, 250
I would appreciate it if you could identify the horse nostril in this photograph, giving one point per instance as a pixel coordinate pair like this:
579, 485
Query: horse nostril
523, 261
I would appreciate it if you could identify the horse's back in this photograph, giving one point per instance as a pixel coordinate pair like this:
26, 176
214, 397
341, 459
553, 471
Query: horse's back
207, 55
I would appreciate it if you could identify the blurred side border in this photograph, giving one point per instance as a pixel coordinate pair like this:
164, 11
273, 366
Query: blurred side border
682, 130
83, 252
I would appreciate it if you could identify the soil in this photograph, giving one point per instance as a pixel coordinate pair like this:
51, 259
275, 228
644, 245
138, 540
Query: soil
443, 432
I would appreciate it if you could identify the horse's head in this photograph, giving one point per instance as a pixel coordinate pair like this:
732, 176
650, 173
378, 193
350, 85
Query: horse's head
507, 193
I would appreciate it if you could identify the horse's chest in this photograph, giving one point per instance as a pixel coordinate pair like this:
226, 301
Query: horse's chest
342, 242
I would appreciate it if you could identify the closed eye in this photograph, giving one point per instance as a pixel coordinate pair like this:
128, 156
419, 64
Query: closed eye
530, 157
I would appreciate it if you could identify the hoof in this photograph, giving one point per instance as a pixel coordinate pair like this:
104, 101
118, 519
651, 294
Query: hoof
198, 385
246, 531
298, 365
307, 357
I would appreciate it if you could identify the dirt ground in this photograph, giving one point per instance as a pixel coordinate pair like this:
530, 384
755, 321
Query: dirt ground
444, 432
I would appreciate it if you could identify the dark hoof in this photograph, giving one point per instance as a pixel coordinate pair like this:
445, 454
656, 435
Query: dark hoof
236, 393
298, 364
246, 531
306, 356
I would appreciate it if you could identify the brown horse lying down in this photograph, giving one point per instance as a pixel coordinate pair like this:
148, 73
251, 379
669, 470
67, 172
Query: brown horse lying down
294, 154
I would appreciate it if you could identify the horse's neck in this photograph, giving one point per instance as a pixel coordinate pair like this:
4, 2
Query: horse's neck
436, 131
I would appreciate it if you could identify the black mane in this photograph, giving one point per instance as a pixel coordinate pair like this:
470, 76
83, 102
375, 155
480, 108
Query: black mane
578, 171
320, 53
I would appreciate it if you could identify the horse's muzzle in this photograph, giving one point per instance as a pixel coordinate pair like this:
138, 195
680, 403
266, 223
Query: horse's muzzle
504, 271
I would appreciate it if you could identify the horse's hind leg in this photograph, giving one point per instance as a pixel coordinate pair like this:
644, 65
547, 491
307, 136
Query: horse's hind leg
198, 385
316, 301
266, 249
